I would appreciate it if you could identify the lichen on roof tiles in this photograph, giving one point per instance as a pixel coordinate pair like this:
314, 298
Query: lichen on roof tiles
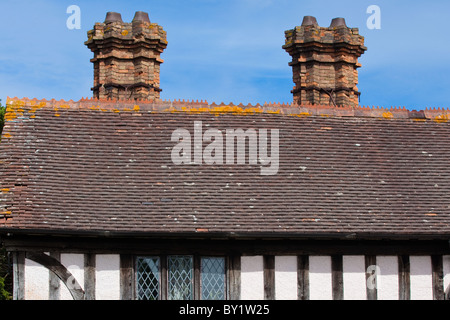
16, 107
350, 171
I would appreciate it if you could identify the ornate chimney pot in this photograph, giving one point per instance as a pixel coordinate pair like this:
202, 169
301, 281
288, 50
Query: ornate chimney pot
113, 17
325, 62
309, 20
127, 57
141, 16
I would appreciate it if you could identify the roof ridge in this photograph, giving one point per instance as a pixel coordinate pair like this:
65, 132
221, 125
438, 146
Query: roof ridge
191, 106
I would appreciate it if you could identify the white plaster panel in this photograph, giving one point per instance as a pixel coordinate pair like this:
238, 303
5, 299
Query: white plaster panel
421, 278
107, 277
252, 278
75, 265
446, 269
320, 283
387, 279
354, 277
36, 281
286, 278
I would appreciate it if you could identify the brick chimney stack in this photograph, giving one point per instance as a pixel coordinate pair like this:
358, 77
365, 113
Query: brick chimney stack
325, 62
127, 57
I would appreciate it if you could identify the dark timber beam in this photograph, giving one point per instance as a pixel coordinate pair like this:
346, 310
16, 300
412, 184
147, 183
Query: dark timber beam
234, 277
269, 277
303, 277
404, 280
337, 277
19, 276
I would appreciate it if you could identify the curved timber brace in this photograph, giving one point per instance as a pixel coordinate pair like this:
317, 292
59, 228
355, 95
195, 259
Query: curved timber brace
60, 271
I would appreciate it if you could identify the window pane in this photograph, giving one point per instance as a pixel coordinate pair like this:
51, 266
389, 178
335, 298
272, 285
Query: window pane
180, 277
213, 278
147, 278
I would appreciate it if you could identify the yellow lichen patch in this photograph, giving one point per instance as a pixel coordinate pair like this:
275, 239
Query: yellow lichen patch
10, 115
387, 115
125, 33
235, 110
217, 110
94, 108
137, 108
301, 115
32, 117
17, 104
64, 106
5, 190
442, 118
116, 110
228, 109
6, 213
7, 135
253, 110
14, 110
57, 115
34, 107
127, 109
174, 110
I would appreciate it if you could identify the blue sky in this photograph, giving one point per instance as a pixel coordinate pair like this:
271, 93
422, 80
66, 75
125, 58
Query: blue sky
230, 51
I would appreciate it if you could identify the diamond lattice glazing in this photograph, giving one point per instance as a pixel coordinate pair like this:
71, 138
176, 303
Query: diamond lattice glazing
147, 279
213, 278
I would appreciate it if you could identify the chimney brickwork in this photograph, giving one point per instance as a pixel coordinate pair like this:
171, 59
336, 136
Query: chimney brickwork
325, 62
127, 57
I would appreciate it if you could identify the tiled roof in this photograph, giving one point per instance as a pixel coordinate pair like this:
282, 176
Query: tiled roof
103, 166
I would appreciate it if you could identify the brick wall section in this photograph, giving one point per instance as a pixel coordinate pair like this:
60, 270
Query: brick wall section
127, 57
325, 62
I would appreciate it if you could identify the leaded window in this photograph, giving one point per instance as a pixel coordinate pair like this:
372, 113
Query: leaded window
175, 279
148, 278
180, 277
213, 278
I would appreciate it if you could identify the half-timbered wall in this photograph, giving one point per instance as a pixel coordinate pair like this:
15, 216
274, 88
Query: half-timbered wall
257, 277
